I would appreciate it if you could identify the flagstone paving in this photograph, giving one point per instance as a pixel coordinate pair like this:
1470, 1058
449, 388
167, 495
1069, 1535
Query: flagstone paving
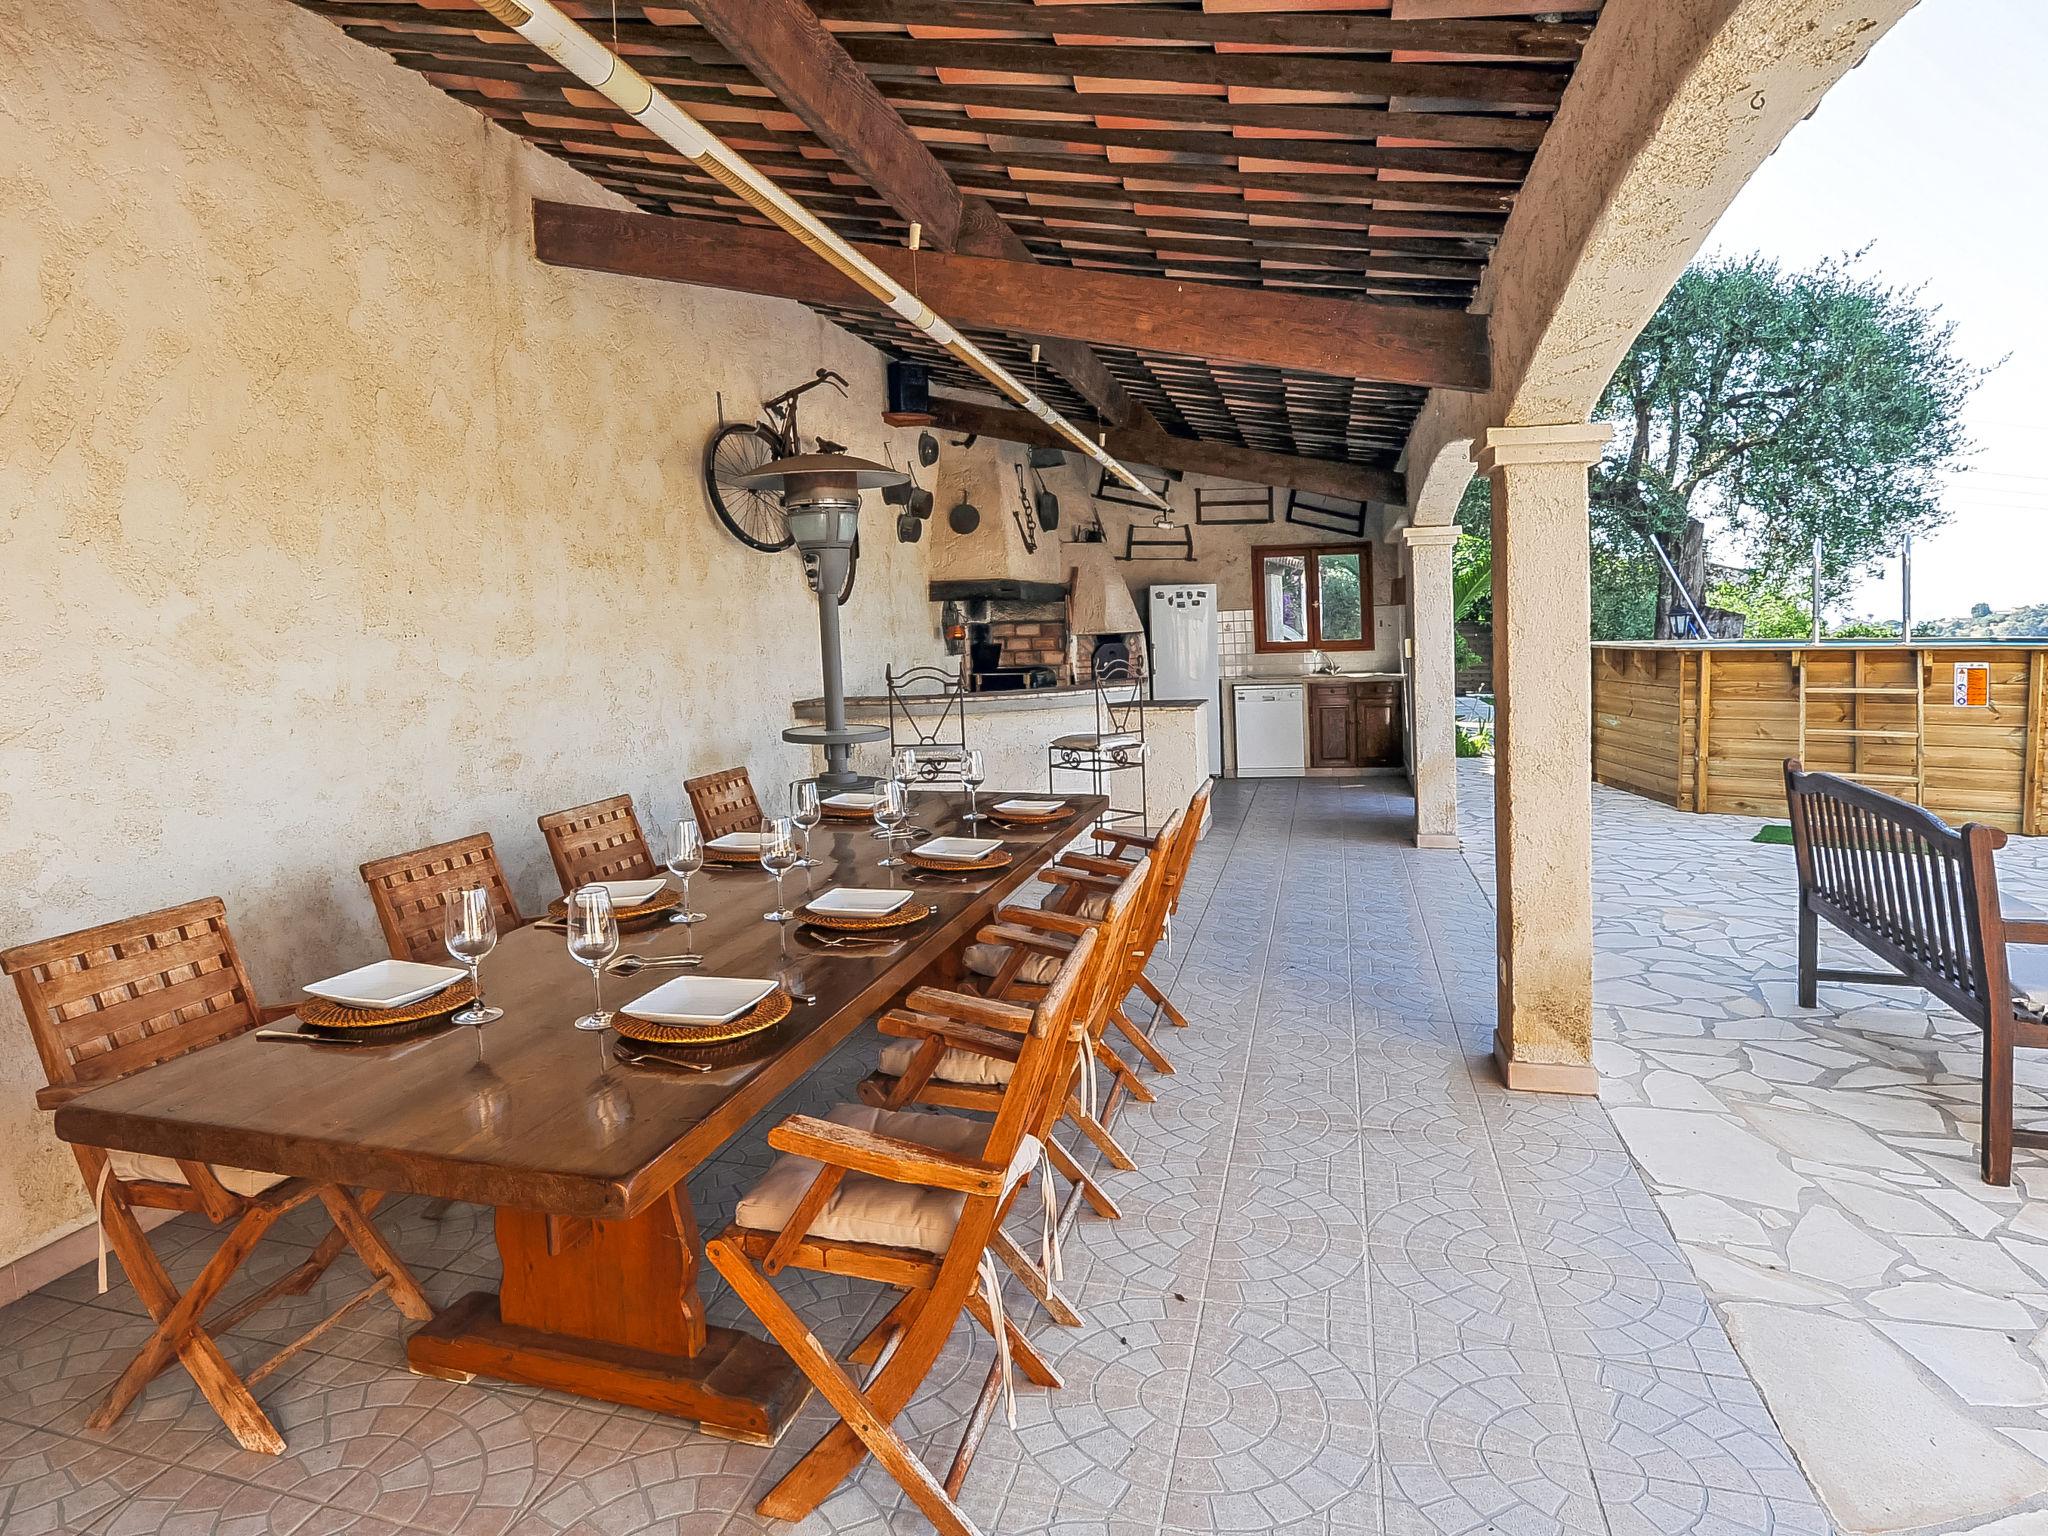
1819, 1169
1357, 1288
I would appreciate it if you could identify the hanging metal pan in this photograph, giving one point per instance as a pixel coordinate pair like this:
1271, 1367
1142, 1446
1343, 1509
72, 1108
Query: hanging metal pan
964, 518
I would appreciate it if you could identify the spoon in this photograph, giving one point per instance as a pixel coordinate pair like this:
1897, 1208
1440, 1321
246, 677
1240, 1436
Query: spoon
627, 965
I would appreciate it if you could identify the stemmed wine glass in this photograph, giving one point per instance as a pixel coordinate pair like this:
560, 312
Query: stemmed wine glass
470, 929
593, 940
892, 809
778, 857
685, 858
806, 813
972, 776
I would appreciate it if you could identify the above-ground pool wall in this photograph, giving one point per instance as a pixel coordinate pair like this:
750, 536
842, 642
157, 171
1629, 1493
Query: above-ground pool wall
1709, 728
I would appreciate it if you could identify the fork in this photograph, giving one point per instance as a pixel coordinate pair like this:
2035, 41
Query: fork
630, 965
649, 1059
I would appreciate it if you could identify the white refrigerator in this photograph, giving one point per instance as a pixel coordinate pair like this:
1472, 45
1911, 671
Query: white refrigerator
1187, 662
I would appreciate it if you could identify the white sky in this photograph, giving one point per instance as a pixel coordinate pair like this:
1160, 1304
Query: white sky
1929, 153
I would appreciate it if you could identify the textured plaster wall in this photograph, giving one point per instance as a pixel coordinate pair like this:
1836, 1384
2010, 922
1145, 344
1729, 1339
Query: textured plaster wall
985, 474
331, 523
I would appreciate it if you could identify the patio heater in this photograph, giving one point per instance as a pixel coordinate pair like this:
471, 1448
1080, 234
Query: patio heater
821, 498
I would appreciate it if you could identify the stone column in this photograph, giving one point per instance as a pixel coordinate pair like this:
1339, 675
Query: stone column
1432, 683
1542, 742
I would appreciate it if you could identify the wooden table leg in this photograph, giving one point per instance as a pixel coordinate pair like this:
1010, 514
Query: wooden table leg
610, 1310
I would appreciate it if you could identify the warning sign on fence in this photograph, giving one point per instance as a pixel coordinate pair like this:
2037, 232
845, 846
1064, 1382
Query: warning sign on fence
1973, 685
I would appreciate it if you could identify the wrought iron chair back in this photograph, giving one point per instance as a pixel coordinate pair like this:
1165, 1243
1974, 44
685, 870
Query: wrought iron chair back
928, 716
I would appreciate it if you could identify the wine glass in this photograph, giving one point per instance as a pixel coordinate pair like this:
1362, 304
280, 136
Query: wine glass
778, 857
892, 809
805, 811
593, 940
685, 858
470, 929
903, 766
972, 776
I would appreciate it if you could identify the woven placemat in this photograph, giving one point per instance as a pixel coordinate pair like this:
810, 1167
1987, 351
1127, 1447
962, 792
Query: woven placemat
665, 900
732, 856
1000, 859
322, 1014
1019, 819
766, 1014
910, 912
847, 813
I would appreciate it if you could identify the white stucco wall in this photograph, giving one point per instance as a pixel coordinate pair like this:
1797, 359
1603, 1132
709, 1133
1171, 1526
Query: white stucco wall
333, 524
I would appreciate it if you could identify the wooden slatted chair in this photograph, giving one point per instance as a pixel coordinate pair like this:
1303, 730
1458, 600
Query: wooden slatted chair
1174, 845
599, 841
910, 1074
109, 1001
723, 802
408, 889
910, 1200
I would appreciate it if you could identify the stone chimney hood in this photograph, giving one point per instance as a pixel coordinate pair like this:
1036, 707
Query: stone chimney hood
1098, 603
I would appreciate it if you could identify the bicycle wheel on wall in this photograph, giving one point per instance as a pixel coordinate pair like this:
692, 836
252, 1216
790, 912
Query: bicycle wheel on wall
753, 517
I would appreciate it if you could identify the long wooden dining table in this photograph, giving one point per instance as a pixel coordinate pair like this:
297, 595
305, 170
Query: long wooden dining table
584, 1156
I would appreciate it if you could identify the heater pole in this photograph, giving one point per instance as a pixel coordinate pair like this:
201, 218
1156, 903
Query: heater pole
831, 574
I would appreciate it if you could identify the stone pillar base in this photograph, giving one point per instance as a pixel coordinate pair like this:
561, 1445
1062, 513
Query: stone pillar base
1449, 840
1544, 1076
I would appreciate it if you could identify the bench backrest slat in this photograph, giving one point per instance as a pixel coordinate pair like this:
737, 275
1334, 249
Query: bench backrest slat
1902, 882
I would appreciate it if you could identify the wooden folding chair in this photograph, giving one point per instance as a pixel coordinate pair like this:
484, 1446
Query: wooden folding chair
1175, 847
408, 889
723, 802
113, 1000
910, 1200
599, 841
970, 1080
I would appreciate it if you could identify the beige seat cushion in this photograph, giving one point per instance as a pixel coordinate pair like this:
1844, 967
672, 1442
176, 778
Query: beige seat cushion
987, 959
954, 1066
1088, 741
866, 1209
165, 1170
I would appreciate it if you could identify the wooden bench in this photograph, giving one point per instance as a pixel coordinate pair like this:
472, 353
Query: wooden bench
1922, 896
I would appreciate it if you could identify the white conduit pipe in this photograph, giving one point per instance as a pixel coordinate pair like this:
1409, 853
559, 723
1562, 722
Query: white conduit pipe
576, 50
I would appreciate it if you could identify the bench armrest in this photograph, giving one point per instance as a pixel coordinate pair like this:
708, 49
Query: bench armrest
2026, 930
966, 1008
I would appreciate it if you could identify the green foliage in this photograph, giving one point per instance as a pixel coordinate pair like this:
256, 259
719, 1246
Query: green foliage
1769, 613
1777, 407
1783, 406
1980, 610
1477, 742
1342, 613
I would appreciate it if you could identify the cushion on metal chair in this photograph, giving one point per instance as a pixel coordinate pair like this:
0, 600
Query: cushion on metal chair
129, 1166
867, 1209
1089, 741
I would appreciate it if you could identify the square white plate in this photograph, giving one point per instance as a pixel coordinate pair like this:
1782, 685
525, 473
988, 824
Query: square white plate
700, 999
1030, 807
386, 984
848, 901
737, 842
630, 893
964, 850
852, 801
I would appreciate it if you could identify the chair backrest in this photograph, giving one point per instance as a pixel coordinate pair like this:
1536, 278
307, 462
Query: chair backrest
408, 889
1903, 883
927, 713
1148, 924
108, 1001
723, 802
1120, 699
599, 841
1037, 1088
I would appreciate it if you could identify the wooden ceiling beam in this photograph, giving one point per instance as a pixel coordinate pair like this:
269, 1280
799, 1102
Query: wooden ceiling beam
1522, 39
1251, 466
789, 50
1511, 85
1399, 343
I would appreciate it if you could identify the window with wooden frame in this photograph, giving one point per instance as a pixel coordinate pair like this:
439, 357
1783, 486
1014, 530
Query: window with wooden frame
1312, 597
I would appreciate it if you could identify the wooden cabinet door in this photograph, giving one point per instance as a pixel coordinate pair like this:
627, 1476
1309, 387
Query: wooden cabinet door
1329, 726
1376, 725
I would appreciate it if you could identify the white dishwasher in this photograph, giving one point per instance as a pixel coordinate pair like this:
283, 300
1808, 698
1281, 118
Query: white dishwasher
1272, 729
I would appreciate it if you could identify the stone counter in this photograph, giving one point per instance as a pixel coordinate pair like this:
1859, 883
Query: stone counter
1013, 730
